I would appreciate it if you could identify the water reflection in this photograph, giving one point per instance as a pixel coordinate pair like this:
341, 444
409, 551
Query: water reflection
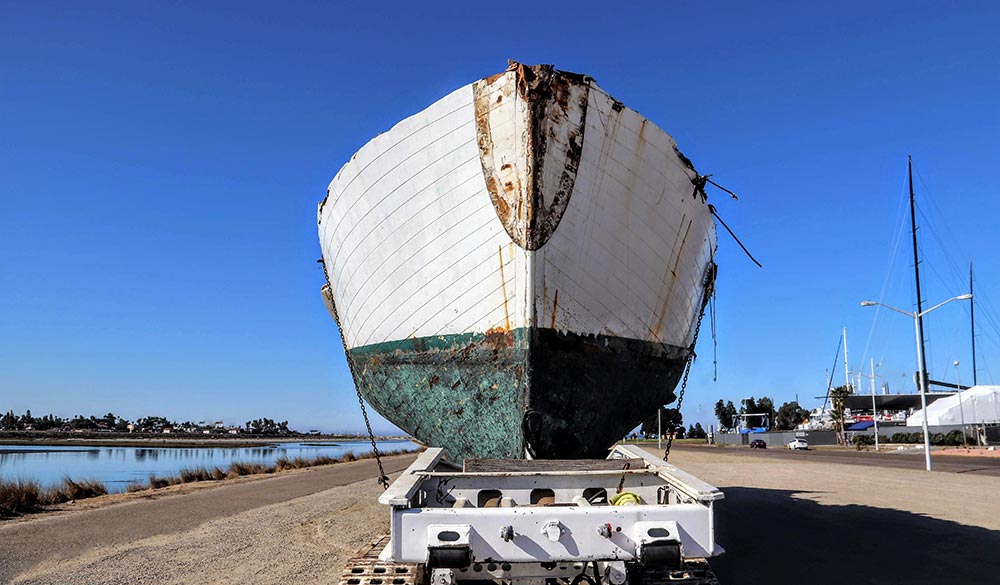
119, 466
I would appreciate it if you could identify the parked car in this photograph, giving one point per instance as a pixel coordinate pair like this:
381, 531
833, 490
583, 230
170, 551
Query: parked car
797, 444
758, 444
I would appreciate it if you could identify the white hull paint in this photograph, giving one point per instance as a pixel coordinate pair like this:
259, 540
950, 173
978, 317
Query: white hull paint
414, 244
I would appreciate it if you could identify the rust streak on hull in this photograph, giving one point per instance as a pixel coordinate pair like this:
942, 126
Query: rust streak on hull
503, 288
673, 280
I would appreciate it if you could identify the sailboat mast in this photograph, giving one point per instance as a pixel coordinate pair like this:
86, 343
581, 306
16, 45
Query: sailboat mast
916, 274
847, 368
972, 319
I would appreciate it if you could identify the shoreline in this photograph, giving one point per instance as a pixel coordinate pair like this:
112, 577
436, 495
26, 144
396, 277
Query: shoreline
48, 500
185, 442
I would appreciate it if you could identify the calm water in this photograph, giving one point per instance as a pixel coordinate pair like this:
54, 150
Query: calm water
119, 466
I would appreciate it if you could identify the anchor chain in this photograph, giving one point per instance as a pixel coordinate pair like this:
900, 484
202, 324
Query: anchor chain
690, 360
383, 479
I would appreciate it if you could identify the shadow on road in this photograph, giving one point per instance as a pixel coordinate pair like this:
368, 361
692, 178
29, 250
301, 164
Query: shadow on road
774, 538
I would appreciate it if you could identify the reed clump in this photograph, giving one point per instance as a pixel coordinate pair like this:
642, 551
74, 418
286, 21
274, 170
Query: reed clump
201, 474
238, 468
19, 497
74, 489
155, 482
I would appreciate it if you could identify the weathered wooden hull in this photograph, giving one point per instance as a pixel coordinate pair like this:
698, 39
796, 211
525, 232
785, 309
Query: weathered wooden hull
518, 268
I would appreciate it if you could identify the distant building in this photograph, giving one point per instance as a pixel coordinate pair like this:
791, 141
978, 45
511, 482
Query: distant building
976, 405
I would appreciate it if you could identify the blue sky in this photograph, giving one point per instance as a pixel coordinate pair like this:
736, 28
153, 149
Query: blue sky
160, 165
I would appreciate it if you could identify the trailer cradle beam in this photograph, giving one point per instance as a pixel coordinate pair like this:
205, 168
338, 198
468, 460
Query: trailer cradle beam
522, 521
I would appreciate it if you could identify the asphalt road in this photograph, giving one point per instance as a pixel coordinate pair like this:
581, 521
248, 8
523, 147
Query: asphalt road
825, 517
24, 544
908, 459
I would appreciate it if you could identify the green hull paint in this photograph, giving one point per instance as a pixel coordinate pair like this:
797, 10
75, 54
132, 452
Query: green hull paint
541, 392
463, 392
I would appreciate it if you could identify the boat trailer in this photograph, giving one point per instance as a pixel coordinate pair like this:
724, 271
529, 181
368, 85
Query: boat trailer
630, 518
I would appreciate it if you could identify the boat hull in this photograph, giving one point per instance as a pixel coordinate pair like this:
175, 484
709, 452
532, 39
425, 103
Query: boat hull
472, 393
519, 268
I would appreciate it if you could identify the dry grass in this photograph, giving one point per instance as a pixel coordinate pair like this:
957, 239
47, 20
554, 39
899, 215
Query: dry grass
25, 497
201, 474
239, 469
19, 497
71, 489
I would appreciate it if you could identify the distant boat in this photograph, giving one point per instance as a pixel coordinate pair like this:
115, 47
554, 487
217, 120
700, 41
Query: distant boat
518, 269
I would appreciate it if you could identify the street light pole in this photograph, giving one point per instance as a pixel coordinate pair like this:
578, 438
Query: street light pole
923, 392
961, 411
874, 410
920, 360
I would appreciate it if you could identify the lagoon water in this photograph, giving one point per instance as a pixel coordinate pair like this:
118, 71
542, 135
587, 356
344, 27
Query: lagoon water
119, 466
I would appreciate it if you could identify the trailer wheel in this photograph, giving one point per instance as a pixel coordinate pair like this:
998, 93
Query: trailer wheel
661, 554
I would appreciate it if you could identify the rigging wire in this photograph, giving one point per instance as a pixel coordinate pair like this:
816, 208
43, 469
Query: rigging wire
894, 251
715, 341
950, 276
987, 310
715, 213
833, 372
957, 280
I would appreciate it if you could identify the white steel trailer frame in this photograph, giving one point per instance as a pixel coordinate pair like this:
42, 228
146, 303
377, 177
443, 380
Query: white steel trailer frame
526, 522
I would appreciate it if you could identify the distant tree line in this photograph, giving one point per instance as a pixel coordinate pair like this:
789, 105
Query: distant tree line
113, 422
266, 426
671, 421
13, 422
761, 414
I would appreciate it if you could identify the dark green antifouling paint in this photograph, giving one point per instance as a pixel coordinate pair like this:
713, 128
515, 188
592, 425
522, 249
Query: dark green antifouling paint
536, 392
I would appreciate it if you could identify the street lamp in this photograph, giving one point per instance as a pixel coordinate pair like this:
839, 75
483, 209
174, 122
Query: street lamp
920, 360
961, 410
874, 409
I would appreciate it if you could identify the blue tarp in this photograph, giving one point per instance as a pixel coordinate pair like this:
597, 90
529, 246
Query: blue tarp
860, 426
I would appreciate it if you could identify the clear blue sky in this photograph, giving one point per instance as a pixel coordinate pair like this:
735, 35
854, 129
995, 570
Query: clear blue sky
160, 165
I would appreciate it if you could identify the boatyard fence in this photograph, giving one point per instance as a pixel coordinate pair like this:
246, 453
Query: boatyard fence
778, 438
782, 438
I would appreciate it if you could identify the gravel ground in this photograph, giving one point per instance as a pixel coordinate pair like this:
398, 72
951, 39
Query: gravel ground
306, 540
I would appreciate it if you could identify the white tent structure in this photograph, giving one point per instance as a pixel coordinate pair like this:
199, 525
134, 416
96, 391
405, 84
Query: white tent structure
979, 404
